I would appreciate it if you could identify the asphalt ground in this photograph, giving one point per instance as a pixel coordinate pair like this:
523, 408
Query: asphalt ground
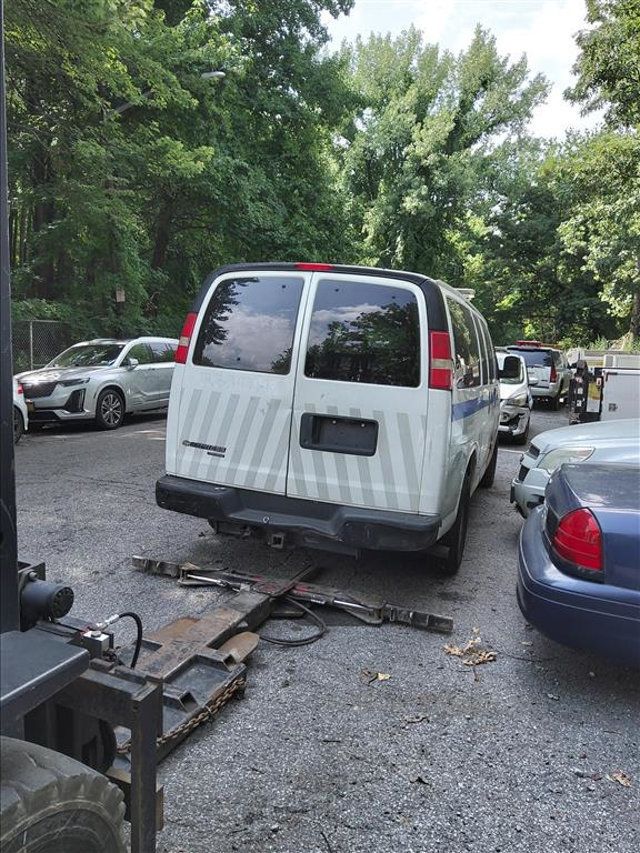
512, 755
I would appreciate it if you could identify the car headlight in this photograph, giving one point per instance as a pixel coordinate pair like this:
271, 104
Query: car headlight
68, 383
518, 400
555, 458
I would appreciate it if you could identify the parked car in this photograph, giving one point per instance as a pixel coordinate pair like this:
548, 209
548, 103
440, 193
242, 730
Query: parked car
613, 441
579, 561
549, 367
20, 413
516, 401
335, 407
101, 380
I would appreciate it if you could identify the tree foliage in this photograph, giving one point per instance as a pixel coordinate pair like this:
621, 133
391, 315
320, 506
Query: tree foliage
132, 172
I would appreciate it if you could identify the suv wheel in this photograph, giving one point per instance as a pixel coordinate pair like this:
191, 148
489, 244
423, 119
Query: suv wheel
110, 409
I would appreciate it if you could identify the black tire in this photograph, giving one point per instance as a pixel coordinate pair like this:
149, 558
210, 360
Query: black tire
18, 425
110, 409
53, 804
456, 538
490, 474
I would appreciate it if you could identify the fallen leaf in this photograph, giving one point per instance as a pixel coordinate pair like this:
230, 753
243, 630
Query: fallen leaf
417, 719
419, 779
372, 676
553, 696
472, 653
620, 777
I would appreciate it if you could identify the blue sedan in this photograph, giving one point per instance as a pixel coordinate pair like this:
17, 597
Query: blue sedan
579, 561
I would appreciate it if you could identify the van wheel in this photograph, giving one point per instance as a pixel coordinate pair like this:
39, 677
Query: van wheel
456, 538
110, 409
490, 474
55, 804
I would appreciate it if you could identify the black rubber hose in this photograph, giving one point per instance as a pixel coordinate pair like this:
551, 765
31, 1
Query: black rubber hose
138, 621
321, 629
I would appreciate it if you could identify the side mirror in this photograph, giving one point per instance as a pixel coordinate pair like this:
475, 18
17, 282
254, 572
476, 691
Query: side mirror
132, 363
533, 381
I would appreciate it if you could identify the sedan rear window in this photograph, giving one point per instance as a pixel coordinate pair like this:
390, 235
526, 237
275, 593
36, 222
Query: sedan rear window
249, 324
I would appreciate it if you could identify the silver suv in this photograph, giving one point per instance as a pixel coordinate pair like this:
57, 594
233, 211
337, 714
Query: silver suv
548, 369
101, 380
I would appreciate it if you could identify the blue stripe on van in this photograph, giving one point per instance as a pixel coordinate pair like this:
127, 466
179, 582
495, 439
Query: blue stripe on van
469, 407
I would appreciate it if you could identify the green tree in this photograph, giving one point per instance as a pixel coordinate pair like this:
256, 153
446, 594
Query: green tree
428, 123
608, 66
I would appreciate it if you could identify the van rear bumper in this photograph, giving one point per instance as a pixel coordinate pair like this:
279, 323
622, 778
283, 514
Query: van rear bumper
308, 523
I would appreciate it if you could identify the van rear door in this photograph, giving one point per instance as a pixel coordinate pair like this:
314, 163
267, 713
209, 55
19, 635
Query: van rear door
230, 409
360, 403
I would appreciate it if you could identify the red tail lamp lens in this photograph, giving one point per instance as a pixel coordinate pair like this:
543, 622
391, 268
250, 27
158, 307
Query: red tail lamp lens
314, 267
578, 539
440, 363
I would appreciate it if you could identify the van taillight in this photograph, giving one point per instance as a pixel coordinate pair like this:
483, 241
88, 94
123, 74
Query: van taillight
185, 338
578, 539
553, 375
440, 363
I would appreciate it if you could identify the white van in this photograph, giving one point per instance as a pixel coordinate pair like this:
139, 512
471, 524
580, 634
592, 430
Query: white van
335, 407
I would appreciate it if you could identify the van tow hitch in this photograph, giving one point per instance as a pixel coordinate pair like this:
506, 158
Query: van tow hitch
369, 609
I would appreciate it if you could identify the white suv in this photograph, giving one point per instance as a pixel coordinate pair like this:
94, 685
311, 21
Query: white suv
337, 407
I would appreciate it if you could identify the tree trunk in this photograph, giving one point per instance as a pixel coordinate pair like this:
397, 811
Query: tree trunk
634, 326
163, 233
43, 214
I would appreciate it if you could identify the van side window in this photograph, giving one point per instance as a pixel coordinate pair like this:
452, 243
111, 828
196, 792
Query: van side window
484, 357
364, 333
249, 324
467, 355
493, 362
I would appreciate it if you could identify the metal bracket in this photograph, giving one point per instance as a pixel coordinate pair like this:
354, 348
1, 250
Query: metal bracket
370, 609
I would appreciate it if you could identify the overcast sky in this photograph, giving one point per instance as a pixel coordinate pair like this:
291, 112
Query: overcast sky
543, 29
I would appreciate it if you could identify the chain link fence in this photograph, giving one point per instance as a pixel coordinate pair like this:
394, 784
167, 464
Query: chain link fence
36, 342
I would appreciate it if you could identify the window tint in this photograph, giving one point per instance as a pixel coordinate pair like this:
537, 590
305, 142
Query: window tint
484, 358
467, 353
364, 333
88, 355
249, 324
491, 353
141, 352
535, 358
161, 352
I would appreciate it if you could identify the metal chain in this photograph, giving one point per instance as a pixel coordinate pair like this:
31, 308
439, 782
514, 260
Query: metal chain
206, 713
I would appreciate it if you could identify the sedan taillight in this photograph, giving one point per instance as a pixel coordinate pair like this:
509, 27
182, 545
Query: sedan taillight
578, 539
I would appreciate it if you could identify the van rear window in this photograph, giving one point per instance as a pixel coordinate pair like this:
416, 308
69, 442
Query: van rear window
368, 333
249, 324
